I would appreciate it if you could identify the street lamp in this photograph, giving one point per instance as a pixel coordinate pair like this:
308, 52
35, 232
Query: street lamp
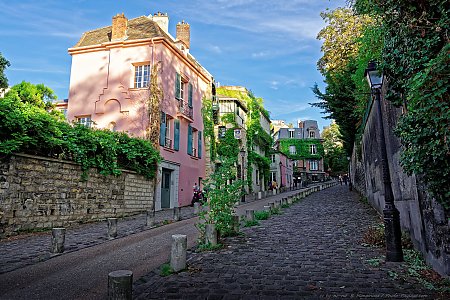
242, 153
391, 215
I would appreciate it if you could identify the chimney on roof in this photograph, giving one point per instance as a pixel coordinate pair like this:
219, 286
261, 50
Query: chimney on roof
119, 27
184, 33
162, 19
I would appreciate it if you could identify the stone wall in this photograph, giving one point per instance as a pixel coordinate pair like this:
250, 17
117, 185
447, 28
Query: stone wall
40, 192
426, 221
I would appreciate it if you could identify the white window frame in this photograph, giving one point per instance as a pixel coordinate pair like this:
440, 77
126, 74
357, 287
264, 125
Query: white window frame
85, 121
141, 76
313, 149
291, 134
272, 158
313, 165
292, 149
312, 134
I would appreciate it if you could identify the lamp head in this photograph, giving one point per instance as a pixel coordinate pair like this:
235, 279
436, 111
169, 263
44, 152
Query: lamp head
373, 76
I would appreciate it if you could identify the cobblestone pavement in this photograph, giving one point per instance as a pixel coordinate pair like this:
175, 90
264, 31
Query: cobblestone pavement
313, 250
20, 251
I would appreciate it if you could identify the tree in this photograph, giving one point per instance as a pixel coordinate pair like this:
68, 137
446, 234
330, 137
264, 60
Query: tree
3, 65
335, 157
35, 94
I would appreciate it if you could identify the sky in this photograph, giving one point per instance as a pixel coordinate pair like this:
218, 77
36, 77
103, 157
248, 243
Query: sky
270, 47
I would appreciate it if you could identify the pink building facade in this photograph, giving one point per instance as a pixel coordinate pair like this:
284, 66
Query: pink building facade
110, 75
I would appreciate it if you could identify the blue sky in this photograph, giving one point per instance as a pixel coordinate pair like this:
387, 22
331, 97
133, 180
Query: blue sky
270, 47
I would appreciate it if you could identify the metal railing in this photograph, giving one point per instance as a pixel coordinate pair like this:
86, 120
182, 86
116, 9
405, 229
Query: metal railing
185, 109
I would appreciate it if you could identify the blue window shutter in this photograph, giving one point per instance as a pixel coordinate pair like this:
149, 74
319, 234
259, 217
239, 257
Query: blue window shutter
162, 130
189, 140
178, 86
199, 144
190, 95
176, 139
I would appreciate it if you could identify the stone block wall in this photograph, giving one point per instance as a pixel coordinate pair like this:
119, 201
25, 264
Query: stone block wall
38, 192
426, 221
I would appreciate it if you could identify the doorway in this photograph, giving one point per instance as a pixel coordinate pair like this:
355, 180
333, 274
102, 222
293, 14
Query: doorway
165, 188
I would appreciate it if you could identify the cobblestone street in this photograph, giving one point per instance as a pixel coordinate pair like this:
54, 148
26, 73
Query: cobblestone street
312, 250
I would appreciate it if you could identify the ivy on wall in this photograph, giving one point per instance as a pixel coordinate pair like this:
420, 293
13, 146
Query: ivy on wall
208, 126
302, 148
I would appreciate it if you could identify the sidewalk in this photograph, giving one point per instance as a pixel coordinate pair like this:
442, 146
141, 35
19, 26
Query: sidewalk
21, 251
313, 250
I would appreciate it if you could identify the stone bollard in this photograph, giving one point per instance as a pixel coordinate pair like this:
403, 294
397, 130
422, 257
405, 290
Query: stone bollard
289, 200
272, 206
176, 214
196, 208
267, 208
58, 239
178, 252
274, 192
235, 223
283, 201
150, 218
259, 195
112, 228
120, 285
277, 203
250, 215
211, 234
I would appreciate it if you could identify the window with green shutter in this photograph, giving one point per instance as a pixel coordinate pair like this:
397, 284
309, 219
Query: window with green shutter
190, 95
176, 138
162, 130
178, 86
189, 140
199, 144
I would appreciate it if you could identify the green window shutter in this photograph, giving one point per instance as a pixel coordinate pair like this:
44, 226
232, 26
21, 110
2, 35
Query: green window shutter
178, 86
199, 144
189, 140
162, 130
190, 95
176, 139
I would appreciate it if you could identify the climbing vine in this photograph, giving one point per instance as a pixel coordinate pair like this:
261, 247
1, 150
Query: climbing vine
156, 95
302, 148
208, 126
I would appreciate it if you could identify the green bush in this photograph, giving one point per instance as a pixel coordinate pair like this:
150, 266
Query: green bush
26, 127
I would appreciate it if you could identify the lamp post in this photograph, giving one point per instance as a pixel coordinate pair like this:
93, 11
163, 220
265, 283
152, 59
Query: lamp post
391, 215
349, 174
242, 153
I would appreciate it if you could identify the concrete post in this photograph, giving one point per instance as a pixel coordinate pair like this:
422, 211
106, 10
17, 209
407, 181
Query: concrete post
112, 228
58, 239
176, 213
178, 252
274, 192
236, 223
259, 195
277, 203
289, 200
283, 201
250, 214
150, 218
211, 234
272, 206
120, 285
196, 208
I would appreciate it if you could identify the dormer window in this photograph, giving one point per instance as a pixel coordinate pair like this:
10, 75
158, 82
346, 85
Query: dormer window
312, 134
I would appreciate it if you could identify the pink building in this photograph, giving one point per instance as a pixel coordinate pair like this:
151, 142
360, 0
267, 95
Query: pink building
110, 76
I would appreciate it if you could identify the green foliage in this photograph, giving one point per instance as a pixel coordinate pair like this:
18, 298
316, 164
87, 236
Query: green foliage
334, 154
262, 215
38, 95
165, 270
252, 223
25, 126
415, 61
229, 118
3, 65
302, 147
209, 247
221, 195
208, 126
228, 147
